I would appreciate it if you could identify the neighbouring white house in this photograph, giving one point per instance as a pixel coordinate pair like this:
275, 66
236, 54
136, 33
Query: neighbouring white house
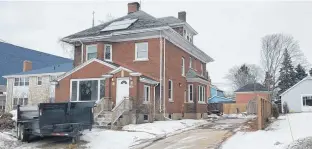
31, 87
299, 96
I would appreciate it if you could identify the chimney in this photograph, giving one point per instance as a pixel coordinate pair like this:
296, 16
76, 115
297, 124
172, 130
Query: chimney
27, 65
182, 16
133, 7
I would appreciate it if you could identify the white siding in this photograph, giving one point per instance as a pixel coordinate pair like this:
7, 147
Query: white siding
293, 96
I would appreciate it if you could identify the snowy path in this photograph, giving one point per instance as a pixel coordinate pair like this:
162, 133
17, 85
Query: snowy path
276, 136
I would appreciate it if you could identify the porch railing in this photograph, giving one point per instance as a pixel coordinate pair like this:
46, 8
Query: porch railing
123, 106
104, 104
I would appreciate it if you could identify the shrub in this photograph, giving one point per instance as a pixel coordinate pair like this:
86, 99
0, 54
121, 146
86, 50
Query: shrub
285, 107
275, 111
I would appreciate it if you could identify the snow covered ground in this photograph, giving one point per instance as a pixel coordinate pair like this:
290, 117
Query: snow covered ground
277, 136
137, 134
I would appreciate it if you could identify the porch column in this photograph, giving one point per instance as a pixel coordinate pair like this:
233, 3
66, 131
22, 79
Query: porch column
108, 85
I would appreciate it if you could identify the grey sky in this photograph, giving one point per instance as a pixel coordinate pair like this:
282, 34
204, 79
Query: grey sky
230, 32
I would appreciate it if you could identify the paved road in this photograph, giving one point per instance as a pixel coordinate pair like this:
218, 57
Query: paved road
208, 137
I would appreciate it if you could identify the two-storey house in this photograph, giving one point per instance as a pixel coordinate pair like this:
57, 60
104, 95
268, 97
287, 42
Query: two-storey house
153, 61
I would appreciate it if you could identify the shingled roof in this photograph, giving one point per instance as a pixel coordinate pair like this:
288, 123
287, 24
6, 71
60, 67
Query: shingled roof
252, 87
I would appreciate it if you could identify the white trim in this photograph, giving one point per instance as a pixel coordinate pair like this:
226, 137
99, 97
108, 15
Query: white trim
148, 81
91, 45
78, 88
107, 76
111, 52
306, 78
183, 66
136, 52
149, 94
136, 74
191, 62
188, 93
199, 88
85, 64
184, 24
200, 80
34, 75
171, 93
119, 69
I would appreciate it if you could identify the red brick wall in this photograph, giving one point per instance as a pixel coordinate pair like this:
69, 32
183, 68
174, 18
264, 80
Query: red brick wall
245, 97
93, 70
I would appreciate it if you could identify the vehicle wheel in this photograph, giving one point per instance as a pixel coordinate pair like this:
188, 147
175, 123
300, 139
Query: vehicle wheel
24, 136
18, 132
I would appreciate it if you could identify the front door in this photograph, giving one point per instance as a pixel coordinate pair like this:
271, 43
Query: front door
307, 103
122, 89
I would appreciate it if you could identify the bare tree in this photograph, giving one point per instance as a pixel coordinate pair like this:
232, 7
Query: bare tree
273, 47
67, 48
244, 74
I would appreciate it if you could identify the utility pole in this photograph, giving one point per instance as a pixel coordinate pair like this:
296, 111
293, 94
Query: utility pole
93, 18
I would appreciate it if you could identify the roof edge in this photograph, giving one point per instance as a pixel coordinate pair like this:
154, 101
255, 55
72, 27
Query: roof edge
306, 78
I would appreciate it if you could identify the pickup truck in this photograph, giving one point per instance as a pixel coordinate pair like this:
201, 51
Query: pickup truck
54, 119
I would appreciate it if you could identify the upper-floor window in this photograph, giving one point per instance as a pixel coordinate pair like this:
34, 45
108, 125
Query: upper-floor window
170, 90
91, 51
21, 81
39, 81
183, 66
187, 35
202, 69
191, 62
108, 52
141, 51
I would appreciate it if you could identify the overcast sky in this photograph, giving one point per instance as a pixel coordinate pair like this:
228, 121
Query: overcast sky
230, 32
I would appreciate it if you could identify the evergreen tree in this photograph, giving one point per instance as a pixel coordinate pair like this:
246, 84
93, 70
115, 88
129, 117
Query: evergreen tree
287, 76
300, 73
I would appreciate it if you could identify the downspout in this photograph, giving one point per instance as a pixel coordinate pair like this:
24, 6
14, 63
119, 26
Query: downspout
165, 80
160, 70
81, 52
155, 100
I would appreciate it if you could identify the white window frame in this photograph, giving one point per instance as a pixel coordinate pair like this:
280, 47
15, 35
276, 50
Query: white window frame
87, 49
191, 62
170, 92
201, 94
78, 88
189, 93
183, 67
110, 50
147, 98
136, 52
38, 81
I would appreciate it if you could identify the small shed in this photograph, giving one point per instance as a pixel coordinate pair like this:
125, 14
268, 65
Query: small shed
299, 96
250, 91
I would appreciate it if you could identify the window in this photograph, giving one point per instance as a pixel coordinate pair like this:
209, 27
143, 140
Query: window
202, 69
39, 81
191, 62
170, 90
141, 51
108, 52
26, 81
146, 93
19, 101
183, 67
16, 81
22, 81
145, 117
201, 94
307, 100
87, 89
91, 51
190, 92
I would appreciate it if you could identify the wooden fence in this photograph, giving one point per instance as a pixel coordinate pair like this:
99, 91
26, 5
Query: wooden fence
234, 108
264, 112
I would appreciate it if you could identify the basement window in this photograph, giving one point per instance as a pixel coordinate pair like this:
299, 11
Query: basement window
145, 117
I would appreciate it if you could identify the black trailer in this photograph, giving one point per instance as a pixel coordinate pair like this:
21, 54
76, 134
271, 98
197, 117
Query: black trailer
54, 119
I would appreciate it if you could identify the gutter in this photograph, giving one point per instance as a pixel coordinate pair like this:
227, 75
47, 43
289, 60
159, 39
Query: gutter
81, 52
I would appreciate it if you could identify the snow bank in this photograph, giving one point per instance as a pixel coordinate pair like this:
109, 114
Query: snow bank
305, 143
166, 128
109, 139
277, 136
14, 113
239, 116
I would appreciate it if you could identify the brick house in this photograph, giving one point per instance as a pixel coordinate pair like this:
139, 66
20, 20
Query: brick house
151, 60
251, 91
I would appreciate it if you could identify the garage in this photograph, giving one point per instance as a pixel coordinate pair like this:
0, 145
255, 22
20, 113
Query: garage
299, 96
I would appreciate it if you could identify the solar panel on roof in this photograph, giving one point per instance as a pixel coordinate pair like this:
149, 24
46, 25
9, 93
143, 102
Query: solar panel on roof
119, 25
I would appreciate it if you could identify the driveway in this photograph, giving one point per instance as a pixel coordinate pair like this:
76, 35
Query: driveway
208, 137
